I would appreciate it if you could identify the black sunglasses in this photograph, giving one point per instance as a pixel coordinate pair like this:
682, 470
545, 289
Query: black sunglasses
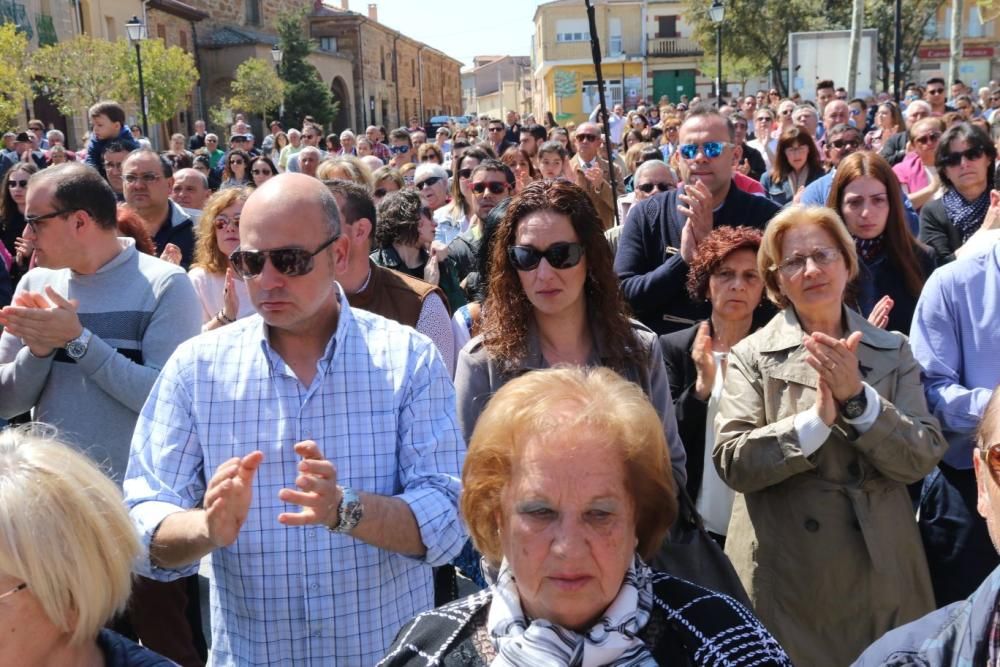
495, 188
583, 136
955, 159
648, 187
561, 255
17, 183
286, 261
845, 143
236, 162
380, 192
428, 182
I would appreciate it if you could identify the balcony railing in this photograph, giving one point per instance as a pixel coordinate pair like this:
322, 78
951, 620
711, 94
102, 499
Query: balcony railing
672, 46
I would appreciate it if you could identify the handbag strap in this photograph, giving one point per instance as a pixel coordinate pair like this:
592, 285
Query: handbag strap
687, 508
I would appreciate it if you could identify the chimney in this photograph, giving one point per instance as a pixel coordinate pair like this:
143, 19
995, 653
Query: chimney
344, 4
373, 11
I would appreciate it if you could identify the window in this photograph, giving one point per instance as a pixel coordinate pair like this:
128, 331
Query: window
615, 36
183, 39
413, 74
328, 44
612, 92
666, 26
161, 31
382, 62
110, 26
253, 12
572, 30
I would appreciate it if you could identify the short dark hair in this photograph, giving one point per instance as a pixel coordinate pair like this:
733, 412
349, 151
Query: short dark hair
113, 110
709, 111
537, 131
553, 147
935, 79
117, 146
358, 202
824, 84
494, 165
402, 135
975, 138
79, 187
165, 164
398, 218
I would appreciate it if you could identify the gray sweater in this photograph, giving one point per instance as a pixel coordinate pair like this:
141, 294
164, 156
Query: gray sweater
138, 309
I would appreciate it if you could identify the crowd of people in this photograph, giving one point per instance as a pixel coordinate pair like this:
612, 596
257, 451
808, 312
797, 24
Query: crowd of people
434, 400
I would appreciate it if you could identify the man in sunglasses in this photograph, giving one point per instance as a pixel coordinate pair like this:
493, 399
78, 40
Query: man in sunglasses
936, 96
148, 181
593, 174
496, 134
661, 234
964, 632
491, 182
84, 342
312, 450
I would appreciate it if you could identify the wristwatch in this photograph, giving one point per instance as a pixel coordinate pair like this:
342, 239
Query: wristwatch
855, 406
77, 347
350, 511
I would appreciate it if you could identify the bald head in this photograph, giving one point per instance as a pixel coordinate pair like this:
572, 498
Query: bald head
286, 195
190, 189
835, 112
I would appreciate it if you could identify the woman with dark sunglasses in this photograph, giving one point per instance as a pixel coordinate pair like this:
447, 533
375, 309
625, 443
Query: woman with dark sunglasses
458, 215
236, 172
965, 161
403, 236
18, 250
553, 298
262, 169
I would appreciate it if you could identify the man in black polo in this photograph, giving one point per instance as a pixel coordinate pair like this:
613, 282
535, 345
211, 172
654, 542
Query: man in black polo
662, 234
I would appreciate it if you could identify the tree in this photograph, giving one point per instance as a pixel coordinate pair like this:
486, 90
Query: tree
14, 76
756, 30
257, 88
305, 92
169, 76
78, 72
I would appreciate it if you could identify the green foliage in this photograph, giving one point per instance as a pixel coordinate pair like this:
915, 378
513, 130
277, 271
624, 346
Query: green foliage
14, 76
78, 72
915, 15
169, 76
305, 92
257, 88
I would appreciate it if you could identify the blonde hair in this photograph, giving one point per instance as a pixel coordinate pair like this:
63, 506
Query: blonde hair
769, 257
356, 170
207, 254
535, 405
64, 531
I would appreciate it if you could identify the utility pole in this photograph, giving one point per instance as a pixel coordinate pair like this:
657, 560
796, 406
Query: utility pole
857, 23
957, 14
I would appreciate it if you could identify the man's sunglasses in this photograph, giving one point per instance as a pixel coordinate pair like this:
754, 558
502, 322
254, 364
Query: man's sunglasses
840, 144
497, 129
561, 255
427, 182
584, 136
970, 154
648, 187
935, 91
398, 150
711, 149
286, 261
494, 187
927, 138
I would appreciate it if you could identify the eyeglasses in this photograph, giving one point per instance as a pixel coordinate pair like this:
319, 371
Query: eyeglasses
12, 183
648, 187
222, 222
398, 150
786, 112
970, 154
820, 257
991, 457
493, 187
261, 172
928, 138
586, 137
117, 166
496, 129
286, 261
427, 182
561, 255
148, 179
33, 220
465, 173
236, 162
211, 141
840, 144
935, 91
711, 149
17, 589
855, 112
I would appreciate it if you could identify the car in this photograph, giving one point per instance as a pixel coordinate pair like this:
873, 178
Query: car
435, 122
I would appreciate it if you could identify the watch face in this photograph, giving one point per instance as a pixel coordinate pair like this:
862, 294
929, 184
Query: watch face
76, 349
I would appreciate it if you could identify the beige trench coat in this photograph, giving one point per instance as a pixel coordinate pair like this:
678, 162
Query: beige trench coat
827, 545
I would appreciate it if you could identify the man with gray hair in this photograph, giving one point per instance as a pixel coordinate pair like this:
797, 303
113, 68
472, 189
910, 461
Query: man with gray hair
190, 191
311, 136
309, 159
347, 143
300, 564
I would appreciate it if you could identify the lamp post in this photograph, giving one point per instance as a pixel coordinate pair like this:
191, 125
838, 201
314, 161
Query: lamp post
276, 56
718, 13
136, 33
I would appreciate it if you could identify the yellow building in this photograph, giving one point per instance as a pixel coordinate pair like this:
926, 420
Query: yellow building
565, 81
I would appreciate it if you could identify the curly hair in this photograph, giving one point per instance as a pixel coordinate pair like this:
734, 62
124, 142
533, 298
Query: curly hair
207, 254
508, 312
713, 251
398, 219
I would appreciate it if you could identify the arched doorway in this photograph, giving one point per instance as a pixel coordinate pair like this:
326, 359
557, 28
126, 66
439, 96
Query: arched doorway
338, 88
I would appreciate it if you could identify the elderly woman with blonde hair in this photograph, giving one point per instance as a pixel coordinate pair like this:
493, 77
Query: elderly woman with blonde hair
66, 553
347, 168
821, 425
565, 493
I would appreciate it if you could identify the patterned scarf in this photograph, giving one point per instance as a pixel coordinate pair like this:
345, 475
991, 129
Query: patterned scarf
967, 216
870, 249
612, 642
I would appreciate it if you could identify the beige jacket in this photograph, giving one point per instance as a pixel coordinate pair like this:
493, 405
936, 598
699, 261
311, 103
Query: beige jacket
827, 545
604, 201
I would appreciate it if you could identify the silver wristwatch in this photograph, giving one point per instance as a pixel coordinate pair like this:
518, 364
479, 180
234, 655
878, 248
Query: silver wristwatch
77, 347
350, 511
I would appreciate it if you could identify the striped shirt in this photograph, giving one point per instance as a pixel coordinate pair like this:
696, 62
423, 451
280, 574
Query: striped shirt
381, 408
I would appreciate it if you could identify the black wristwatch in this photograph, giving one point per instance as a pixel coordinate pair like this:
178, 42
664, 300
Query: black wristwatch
855, 406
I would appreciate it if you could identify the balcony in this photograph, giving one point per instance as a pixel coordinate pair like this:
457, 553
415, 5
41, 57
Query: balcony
670, 47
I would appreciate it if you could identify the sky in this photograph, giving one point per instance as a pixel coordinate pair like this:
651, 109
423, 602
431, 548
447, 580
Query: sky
460, 29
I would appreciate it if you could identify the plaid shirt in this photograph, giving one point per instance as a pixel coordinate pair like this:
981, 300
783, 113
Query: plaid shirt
381, 407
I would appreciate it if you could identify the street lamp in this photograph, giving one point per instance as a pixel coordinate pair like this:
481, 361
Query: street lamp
718, 13
276, 56
136, 33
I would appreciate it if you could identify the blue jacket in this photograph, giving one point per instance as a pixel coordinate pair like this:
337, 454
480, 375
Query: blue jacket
122, 652
953, 636
96, 147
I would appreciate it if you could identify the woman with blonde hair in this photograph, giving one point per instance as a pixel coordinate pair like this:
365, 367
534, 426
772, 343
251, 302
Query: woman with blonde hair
430, 153
347, 168
223, 296
67, 547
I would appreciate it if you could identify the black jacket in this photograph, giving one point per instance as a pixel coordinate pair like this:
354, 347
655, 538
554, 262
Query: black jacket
937, 231
756, 161
649, 263
121, 652
691, 411
880, 278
